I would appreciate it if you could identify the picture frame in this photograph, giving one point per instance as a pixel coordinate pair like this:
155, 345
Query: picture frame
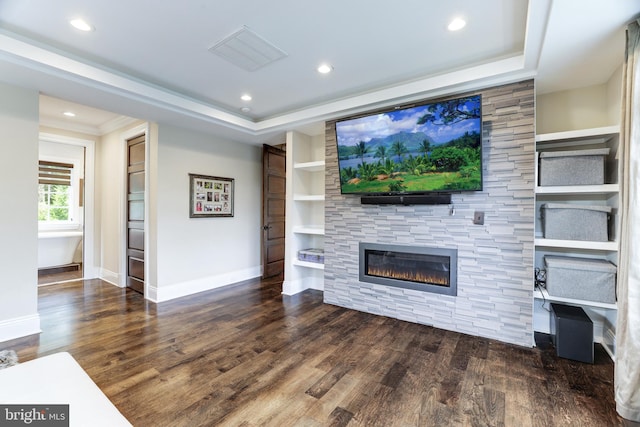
210, 196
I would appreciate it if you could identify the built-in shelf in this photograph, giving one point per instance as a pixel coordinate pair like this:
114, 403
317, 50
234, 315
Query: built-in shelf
601, 137
576, 244
576, 137
578, 189
317, 230
543, 294
304, 228
309, 197
317, 166
316, 265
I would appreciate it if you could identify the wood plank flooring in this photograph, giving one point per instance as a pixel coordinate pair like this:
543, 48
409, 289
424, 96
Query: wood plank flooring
248, 356
63, 274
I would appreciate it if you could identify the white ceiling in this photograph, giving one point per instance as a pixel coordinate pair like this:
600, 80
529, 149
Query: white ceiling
151, 60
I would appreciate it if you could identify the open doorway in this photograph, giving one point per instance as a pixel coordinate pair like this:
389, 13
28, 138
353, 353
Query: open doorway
62, 208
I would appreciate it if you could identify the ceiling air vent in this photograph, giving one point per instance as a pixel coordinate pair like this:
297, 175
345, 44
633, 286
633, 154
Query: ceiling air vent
247, 50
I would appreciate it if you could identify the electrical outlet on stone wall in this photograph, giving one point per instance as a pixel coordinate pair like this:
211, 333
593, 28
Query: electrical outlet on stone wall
478, 218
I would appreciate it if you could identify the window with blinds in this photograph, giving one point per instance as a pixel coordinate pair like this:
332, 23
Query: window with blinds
55, 173
54, 191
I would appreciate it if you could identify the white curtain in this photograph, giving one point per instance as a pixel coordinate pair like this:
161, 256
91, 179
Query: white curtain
627, 368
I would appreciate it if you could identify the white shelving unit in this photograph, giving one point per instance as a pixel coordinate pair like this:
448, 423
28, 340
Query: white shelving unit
305, 211
603, 315
544, 295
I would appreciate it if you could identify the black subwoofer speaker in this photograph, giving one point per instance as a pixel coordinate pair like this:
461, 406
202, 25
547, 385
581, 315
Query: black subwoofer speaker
572, 333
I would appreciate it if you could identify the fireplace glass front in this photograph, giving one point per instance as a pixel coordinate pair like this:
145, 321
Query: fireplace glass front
411, 267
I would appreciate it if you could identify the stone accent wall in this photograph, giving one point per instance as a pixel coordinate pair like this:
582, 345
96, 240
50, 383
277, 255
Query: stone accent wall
495, 260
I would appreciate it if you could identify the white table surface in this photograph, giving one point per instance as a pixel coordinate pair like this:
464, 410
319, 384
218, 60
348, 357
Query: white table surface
59, 379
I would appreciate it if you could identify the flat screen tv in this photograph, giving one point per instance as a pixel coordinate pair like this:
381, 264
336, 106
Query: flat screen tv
428, 148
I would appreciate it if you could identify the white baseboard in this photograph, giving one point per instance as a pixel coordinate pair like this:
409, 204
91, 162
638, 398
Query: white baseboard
90, 272
292, 287
19, 327
110, 277
177, 290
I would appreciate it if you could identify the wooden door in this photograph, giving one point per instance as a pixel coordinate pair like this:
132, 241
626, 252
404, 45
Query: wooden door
135, 213
273, 211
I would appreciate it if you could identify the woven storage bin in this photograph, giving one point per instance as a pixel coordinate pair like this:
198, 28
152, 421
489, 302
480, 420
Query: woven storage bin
578, 167
311, 255
581, 278
575, 222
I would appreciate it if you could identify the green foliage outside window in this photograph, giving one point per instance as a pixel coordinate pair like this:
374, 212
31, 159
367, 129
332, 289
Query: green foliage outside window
53, 202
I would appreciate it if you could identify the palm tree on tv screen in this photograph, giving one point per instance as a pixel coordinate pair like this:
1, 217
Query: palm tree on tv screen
361, 149
399, 149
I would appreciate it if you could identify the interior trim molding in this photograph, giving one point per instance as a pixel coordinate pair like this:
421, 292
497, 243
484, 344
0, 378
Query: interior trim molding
19, 327
55, 62
158, 294
110, 277
292, 287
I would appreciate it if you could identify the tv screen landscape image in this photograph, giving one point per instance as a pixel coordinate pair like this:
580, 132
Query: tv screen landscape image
429, 148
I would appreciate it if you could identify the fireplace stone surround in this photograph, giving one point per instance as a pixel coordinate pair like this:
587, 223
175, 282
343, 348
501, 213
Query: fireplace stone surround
495, 260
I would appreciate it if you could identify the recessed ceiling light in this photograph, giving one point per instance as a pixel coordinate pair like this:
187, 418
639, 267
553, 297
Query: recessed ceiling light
69, 114
325, 68
81, 24
246, 97
245, 109
457, 24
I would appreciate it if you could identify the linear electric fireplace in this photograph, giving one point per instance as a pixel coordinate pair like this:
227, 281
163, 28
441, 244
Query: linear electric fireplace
411, 267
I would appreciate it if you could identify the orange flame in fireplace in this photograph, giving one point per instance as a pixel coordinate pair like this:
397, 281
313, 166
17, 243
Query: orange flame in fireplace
413, 276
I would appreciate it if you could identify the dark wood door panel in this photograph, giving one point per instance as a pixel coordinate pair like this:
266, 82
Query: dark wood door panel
135, 213
136, 268
277, 162
273, 269
136, 239
277, 184
136, 210
275, 253
136, 182
276, 208
276, 230
136, 150
273, 210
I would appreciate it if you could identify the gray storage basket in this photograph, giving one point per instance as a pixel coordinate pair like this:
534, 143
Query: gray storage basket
577, 167
575, 222
581, 278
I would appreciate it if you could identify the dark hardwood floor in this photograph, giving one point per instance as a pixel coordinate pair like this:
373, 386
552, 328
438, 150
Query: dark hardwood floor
50, 276
247, 356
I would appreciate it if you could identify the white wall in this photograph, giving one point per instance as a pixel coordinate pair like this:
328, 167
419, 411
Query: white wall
196, 254
18, 215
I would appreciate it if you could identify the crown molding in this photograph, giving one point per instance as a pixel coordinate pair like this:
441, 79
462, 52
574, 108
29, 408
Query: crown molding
54, 62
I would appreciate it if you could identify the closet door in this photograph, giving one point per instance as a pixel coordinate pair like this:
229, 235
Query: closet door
135, 213
273, 211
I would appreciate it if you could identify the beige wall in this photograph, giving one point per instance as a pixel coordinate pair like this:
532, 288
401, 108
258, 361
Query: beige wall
614, 96
584, 108
109, 205
18, 215
183, 255
195, 254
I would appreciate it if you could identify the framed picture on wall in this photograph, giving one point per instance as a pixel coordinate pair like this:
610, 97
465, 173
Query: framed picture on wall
210, 196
